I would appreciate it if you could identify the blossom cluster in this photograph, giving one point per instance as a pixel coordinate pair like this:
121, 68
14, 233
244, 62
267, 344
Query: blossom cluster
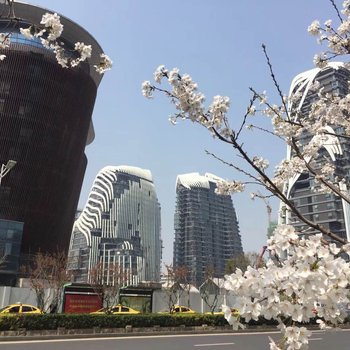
229, 187
326, 123
4, 40
286, 170
260, 162
303, 279
189, 103
337, 38
49, 31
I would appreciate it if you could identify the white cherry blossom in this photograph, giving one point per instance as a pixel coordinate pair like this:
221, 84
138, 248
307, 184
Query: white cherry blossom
302, 283
104, 65
53, 24
159, 73
49, 31
147, 89
260, 162
27, 33
314, 28
229, 187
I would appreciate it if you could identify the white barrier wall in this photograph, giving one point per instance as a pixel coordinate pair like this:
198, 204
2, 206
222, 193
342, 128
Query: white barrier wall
192, 300
12, 295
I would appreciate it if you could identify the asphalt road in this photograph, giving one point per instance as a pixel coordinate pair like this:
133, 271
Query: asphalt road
319, 340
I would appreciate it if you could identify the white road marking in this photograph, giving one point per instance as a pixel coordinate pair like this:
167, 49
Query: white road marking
216, 344
315, 339
129, 337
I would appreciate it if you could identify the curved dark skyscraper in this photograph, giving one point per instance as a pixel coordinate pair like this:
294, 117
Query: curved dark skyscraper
45, 123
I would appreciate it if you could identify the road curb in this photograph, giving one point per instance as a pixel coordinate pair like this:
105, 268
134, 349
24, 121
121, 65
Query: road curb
121, 332
61, 333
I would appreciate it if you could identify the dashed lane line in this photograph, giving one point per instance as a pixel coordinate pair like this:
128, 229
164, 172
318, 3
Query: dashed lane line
215, 344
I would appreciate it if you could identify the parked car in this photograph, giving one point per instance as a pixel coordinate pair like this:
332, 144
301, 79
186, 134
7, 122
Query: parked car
234, 312
117, 310
19, 308
177, 309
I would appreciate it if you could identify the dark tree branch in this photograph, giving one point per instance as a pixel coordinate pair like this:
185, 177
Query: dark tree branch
336, 10
275, 80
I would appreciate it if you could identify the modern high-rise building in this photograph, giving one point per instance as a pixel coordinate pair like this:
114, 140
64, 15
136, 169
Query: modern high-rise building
45, 123
206, 227
119, 226
325, 209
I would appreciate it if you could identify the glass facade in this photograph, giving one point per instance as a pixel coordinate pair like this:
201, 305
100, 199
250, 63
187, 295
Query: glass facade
322, 208
10, 247
206, 227
45, 120
119, 226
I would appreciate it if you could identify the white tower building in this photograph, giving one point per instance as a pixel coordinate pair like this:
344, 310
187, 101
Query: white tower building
120, 225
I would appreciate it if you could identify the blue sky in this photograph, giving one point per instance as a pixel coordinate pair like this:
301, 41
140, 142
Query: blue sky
218, 42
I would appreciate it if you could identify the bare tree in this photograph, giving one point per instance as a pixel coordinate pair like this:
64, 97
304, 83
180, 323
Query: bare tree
47, 275
176, 285
183, 275
209, 290
107, 280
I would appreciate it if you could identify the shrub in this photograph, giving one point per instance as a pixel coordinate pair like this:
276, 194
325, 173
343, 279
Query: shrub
80, 321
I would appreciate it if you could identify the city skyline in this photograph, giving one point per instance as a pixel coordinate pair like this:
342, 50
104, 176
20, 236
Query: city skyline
220, 46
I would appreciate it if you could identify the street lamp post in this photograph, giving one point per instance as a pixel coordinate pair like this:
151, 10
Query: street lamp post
5, 168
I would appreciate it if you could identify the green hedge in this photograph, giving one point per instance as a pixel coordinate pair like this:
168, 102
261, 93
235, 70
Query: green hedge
73, 321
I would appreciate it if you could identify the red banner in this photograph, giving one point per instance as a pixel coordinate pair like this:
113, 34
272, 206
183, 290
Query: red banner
81, 303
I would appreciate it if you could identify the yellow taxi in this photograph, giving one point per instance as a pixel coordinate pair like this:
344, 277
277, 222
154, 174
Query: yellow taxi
234, 312
182, 309
178, 309
19, 308
116, 310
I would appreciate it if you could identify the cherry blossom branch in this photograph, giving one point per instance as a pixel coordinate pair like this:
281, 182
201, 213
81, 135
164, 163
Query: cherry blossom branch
275, 80
49, 32
256, 182
305, 278
347, 137
189, 102
252, 126
336, 10
250, 110
270, 186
